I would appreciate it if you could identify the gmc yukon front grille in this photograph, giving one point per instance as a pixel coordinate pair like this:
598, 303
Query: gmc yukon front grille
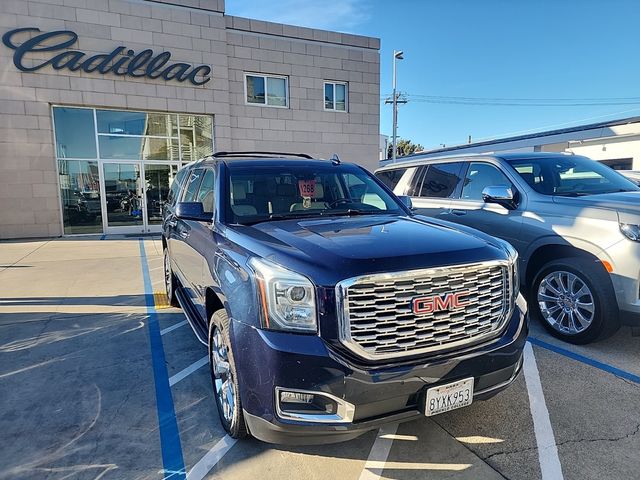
377, 311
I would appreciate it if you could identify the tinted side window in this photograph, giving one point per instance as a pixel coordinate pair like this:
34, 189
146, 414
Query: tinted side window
175, 187
416, 181
441, 180
205, 194
479, 176
391, 177
191, 188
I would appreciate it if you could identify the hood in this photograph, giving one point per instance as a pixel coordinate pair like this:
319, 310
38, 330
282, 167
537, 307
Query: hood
344, 247
621, 201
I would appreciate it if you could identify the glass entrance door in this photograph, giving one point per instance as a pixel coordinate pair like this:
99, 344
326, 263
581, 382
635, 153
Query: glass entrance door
134, 194
124, 197
157, 180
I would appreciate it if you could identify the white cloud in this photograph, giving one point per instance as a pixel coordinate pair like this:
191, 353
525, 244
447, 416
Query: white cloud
339, 15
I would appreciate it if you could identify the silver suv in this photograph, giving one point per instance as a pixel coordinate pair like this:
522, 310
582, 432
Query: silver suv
575, 223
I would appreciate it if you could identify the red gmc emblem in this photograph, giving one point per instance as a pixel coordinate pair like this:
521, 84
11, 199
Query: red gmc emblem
437, 303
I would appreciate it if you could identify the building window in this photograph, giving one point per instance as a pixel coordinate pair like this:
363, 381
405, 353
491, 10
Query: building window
126, 135
75, 132
116, 167
80, 196
267, 90
335, 96
196, 137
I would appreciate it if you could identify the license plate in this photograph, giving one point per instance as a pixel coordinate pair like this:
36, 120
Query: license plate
449, 397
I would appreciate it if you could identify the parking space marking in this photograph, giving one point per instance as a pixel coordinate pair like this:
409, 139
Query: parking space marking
211, 458
379, 453
547, 449
182, 374
170, 444
589, 361
164, 331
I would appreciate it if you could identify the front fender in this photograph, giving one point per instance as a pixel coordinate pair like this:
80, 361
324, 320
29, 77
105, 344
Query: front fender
567, 241
233, 283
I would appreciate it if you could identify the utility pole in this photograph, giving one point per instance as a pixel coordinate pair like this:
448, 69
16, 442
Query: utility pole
397, 55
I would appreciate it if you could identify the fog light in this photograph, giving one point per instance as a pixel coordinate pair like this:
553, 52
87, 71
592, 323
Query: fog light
295, 397
312, 406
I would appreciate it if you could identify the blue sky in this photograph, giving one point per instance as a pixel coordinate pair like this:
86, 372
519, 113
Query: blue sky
533, 49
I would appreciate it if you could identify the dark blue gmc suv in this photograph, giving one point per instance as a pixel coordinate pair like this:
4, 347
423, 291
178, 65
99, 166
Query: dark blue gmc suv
328, 307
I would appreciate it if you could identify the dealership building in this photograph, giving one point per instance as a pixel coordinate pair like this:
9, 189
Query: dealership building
102, 101
615, 143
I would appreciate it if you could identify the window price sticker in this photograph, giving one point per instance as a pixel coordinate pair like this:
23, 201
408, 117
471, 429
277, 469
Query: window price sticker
307, 188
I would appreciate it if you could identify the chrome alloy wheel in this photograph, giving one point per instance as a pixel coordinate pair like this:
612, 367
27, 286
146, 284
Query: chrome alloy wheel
168, 284
223, 377
566, 302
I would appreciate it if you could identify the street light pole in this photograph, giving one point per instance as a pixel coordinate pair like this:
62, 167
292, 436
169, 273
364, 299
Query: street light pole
397, 55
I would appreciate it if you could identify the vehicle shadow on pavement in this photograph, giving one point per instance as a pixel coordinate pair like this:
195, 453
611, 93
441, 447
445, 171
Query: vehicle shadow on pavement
458, 444
108, 300
77, 397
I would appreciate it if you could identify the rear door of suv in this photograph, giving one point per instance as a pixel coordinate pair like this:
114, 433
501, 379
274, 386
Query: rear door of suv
197, 237
433, 186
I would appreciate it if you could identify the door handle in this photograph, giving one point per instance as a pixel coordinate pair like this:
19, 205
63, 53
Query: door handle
183, 234
458, 212
172, 223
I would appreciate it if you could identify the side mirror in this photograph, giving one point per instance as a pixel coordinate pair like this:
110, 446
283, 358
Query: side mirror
500, 194
406, 201
192, 211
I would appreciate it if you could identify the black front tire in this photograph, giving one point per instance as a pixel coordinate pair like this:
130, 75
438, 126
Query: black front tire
606, 316
170, 282
236, 426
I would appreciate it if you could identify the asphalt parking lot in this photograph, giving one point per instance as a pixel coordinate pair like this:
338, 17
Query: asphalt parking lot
99, 379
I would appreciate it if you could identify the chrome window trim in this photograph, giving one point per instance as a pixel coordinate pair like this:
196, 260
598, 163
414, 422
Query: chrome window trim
342, 308
344, 414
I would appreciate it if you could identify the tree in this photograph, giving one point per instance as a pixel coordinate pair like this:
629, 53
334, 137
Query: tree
404, 147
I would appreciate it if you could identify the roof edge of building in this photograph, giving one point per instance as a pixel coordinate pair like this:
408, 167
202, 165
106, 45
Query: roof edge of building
547, 133
301, 33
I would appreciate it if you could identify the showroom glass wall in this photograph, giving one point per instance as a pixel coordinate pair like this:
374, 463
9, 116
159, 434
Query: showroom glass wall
115, 167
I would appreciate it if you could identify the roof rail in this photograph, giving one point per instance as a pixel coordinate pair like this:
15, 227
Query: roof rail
259, 153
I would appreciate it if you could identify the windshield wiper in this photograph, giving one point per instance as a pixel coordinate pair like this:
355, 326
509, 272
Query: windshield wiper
572, 194
619, 190
274, 217
351, 212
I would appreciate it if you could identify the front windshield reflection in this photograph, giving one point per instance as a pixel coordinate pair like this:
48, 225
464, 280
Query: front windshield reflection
282, 193
571, 176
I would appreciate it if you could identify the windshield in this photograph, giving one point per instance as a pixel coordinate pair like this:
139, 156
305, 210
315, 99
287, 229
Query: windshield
571, 176
272, 192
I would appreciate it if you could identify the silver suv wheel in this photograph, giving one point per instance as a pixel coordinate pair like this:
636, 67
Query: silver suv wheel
168, 281
223, 377
566, 302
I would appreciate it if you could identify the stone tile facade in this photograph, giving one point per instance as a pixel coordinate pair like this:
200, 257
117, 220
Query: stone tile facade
197, 32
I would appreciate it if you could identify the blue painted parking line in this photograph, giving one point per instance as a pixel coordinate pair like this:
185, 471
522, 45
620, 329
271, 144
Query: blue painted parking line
170, 444
589, 361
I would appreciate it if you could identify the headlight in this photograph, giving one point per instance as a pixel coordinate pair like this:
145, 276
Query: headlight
632, 232
287, 298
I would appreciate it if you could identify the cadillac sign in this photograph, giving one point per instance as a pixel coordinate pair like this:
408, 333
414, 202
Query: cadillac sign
121, 61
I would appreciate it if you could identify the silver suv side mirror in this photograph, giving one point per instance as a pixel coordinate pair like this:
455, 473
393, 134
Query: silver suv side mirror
500, 194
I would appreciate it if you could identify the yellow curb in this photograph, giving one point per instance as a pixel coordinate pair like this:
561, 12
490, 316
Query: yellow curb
160, 300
